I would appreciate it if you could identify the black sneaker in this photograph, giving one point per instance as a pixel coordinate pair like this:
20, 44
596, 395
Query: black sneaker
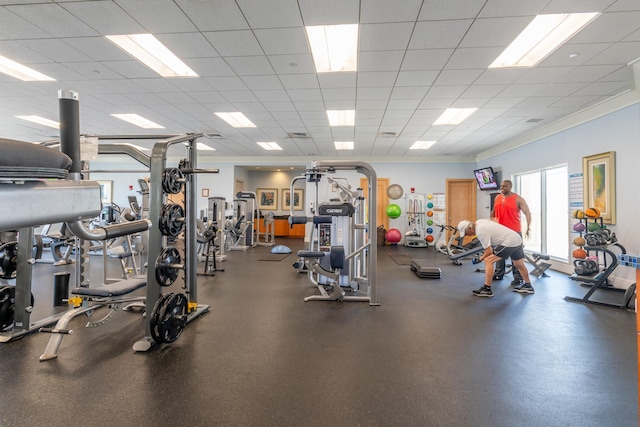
484, 291
516, 282
497, 277
525, 288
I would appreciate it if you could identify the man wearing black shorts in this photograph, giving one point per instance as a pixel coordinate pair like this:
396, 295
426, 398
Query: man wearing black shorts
499, 242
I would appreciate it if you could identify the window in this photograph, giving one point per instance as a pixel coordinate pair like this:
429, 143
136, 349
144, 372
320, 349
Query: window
546, 191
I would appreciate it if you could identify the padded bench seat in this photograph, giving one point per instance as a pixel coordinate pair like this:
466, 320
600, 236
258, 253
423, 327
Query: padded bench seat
116, 289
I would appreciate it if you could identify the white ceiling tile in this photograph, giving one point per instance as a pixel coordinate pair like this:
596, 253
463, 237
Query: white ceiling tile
409, 92
560, 57
499, 76
447, 9
403, 104
234, 43
588, 73
210, 67
380, 60
370, 104
377, 79
559, 89
261, 14
55, 50
282, 41
299, 81
544, 75
226, 83
503, 103
340, 105
307, 95
310, 106
440, 103
538, 101
337, 80
106, 17
494, 32
609, 27
342, 94
262, 82
439, 34
205, 97
97, 48
129, 69
374, 93
602, 88
524, 90
389, 36
155, 85
238, 96
622, 74
483, 91
416, 78
157, 16
279, 106
54, 19
13, 26
619, 53
386, 11
329, 12
633, 37
497, 8
250, 65
479, 57
292, 64
575, 101
188, 45
219, 16
426, 59
457, 77
272, 95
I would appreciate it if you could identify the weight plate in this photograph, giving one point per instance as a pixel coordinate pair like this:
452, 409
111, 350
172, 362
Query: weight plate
7, 306
172, 220
174, 318
154, 320
8, 261
172, 180
165, 274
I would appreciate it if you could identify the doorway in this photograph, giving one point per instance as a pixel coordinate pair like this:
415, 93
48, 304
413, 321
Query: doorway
460, 201
382, 200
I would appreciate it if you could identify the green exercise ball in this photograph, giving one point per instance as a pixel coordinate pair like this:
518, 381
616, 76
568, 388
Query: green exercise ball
393, 211
593, 226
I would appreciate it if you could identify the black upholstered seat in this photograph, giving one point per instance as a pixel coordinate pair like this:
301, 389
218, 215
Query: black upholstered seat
24, 160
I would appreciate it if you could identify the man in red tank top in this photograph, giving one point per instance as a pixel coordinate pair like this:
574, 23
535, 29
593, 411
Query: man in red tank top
507, 208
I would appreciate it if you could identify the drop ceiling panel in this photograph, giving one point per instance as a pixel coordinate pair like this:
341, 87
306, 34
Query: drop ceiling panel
188, 45
337, 80
329, 12
292, 64
439, 34
426, 59
380, 60
417, 78
262, 82
446, 9
377, 79
457, 77
13, 26
544, 75
494, 32
261, 14
408, 92
234, 43
479, 57
53, 19
282, 41
309, 106
619, 53
299, 81
157, 16
388, 36
224, 16
341, 94
561, 56
128, 69
609, 27
375, 93
109, 18
386, 11
497, 8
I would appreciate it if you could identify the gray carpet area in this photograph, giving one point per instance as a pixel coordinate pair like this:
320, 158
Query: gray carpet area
430, 355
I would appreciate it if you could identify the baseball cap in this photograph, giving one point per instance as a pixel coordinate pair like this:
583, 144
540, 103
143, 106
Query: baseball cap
463, 225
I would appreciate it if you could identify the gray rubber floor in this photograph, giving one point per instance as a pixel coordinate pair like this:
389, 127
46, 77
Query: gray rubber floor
430, 355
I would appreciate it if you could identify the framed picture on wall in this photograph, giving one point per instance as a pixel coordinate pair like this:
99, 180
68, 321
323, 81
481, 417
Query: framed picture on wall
599, 172
106, 191
267, 198
298, 199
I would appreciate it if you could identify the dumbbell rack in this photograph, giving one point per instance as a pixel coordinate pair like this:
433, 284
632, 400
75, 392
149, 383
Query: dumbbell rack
155, 298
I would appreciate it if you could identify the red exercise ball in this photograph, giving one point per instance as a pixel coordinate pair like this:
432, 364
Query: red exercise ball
429, 238
393, 235
579, 253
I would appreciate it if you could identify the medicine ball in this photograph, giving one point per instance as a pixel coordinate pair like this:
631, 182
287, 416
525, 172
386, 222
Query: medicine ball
593, 226
429, 238
429, 213
394, 211
429, 222
579, 227
429, 230
592, 213
579, 253
578, 214
579, 241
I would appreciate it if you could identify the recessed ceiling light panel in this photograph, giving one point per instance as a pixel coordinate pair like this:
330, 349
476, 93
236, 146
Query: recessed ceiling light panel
334, 47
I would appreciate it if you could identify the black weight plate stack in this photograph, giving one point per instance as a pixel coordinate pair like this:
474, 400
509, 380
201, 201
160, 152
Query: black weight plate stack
172, 220
154, 321
7, 306
165, 274
173, 318
172, 180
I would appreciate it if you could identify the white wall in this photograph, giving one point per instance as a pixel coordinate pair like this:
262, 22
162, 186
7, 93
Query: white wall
619, 132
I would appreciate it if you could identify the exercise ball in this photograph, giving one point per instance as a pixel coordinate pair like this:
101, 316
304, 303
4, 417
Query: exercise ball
592, 213
429, 196
394, 191
429, 238
429, 222
579, 241
430, 205
393, 235
579, 227
579, 253
393, 211
578, 214
429, 230
593, 226
429, 213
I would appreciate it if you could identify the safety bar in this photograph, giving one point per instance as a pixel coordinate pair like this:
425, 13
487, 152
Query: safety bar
79, 229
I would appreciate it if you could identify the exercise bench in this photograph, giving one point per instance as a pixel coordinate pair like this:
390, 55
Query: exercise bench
330, 291
111, 295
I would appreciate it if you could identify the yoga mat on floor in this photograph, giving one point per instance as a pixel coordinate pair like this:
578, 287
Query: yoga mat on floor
402, 259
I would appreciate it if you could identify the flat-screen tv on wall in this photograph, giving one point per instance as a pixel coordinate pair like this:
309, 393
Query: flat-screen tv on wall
486, 178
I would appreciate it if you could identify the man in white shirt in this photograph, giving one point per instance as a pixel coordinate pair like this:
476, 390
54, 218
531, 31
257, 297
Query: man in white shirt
499, 242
